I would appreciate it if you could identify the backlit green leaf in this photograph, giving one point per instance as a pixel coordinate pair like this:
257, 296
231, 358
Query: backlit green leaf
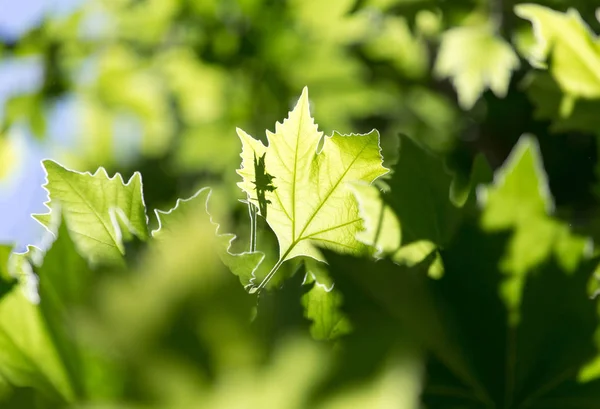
566, 40
322, 304
40, 347
474, 59
310, 203
97, 209
381, 226
520, 200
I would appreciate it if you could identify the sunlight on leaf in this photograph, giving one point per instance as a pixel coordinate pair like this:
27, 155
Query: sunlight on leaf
97, 209
571, 45
383, 232
381, 226
310, 202
474, 59
520, 199
322, 304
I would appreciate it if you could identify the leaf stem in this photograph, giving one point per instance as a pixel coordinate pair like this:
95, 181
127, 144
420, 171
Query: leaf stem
268, 277
253, 226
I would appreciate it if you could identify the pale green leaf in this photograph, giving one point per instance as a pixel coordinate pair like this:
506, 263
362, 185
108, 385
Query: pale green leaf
570, 44
322, 304
417, 251
520, 200
475, 58
381, 226
311, 204
243, 264
98, 210
383, 232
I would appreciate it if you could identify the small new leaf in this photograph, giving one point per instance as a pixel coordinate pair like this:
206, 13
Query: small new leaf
263, 183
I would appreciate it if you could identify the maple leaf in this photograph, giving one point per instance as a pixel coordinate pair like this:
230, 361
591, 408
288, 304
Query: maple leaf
308, 197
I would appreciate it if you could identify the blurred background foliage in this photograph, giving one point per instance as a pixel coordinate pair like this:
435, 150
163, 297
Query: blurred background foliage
160, 85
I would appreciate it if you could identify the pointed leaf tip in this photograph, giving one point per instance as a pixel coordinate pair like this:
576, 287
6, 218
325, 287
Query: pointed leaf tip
309, 203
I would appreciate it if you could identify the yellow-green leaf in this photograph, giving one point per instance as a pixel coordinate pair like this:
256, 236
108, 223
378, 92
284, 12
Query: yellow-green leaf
381, 226
97, 209
475, 59
520, 200
572, 46
310, 203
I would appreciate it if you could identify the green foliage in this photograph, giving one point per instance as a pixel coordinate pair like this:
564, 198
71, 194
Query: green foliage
520, 201
466, 319
451, 267
97, 209
306, 192
243, 264
40, 348
488, 62
573, 48
570, 89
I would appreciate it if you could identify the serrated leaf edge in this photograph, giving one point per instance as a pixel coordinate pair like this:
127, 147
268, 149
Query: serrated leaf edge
217, 225
113, 212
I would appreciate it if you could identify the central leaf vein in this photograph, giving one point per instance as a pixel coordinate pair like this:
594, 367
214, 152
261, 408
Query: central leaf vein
328, 195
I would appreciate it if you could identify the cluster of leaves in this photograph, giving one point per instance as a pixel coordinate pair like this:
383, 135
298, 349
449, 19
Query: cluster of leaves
398, 281
113, 312
420, 301
171, 76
